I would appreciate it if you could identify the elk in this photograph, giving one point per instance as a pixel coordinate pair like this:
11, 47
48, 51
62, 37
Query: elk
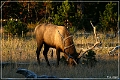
56, 37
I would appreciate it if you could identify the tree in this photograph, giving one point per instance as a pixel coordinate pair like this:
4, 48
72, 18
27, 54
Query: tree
108, 20
65, 15
48, 10
62, 13
16, 27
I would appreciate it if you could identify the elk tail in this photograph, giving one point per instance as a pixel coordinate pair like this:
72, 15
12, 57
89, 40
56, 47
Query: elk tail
36, 28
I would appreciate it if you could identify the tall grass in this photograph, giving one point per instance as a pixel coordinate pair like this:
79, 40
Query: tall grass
22, 50
18, 49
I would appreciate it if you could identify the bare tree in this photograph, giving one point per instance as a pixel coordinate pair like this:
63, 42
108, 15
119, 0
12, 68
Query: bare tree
83, 51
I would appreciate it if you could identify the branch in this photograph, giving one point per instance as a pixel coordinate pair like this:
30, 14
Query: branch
2, 4
97, 42
91, 23
88, 49
113, 50
94, 30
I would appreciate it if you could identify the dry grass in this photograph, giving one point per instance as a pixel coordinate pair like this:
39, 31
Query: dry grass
17, 50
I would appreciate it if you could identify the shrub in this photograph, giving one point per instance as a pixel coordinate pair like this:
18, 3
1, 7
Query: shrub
16, 27
109, 18
89, 58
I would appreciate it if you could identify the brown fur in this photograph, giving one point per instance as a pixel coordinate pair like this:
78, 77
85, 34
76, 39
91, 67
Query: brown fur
48, 35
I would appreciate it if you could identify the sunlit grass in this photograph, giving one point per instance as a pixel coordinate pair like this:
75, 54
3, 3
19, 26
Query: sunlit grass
18, 49
22, 50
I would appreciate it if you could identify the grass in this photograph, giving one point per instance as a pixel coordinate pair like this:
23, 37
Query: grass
22, 50
101, 70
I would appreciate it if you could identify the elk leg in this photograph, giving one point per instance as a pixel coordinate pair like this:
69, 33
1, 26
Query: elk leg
46, 48
58, 56
38, 53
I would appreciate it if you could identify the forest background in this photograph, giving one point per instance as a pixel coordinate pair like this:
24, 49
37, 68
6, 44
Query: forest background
73, 14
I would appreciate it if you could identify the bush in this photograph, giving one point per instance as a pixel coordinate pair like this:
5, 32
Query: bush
16, 27
89, 58
109, 18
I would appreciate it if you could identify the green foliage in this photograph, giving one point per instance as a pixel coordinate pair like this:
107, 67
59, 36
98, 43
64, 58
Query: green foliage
89, 58
64, 9
16, 27
108, 20
78, 14
64, 16
62, 13
90, 54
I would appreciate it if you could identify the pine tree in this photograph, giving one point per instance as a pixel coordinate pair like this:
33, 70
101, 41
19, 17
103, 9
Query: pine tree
108, 20
62, 13
65, 15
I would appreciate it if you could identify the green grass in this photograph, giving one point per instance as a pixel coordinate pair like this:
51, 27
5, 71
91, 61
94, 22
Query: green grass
21, 50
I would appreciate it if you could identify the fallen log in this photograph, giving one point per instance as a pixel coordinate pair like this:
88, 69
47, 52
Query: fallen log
33, 76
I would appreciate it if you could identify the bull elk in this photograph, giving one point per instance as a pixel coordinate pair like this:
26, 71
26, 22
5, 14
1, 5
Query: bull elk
56, 37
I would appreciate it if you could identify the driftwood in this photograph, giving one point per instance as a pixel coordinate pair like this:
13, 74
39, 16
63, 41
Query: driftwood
83, 51
94, 31
31, 75
112, 52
